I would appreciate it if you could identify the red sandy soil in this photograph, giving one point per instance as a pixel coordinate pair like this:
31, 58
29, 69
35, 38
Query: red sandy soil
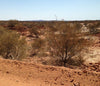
17, 73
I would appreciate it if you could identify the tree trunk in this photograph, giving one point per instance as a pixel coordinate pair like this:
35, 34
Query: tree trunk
64, 64
65, 61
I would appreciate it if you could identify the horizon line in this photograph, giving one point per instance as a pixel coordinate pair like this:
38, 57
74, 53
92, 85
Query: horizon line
52, 20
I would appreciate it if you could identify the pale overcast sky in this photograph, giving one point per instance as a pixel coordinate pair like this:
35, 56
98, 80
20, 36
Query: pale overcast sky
50, 9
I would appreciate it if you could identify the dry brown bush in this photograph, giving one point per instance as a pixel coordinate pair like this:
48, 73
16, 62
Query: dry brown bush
37, 46
66, 42
11, 45
34, 31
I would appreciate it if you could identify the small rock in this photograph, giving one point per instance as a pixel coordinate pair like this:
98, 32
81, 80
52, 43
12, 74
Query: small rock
56, 78
55, 83
7, 72
72, 80
69, 75
62, 83
76, 84
84, 71
79, 73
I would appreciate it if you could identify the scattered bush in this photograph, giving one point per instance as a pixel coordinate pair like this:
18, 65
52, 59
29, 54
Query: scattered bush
63, 40
20, 27
34, 31
11, 45
11, 24
66, 43
93, 28
38, 45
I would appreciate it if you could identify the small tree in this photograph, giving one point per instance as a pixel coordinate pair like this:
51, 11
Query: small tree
66, 43
11, 45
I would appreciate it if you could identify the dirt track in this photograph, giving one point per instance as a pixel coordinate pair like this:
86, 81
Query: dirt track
15, 73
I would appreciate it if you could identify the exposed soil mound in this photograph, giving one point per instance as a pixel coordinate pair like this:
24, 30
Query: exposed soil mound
16, 73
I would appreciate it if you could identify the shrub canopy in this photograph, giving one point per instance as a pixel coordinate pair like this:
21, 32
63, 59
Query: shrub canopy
12, 46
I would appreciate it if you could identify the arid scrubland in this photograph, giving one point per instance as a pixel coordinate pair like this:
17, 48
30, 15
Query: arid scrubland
63, 42
36, 50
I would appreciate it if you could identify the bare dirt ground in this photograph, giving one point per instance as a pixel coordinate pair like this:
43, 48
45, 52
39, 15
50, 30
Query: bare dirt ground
17, 73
